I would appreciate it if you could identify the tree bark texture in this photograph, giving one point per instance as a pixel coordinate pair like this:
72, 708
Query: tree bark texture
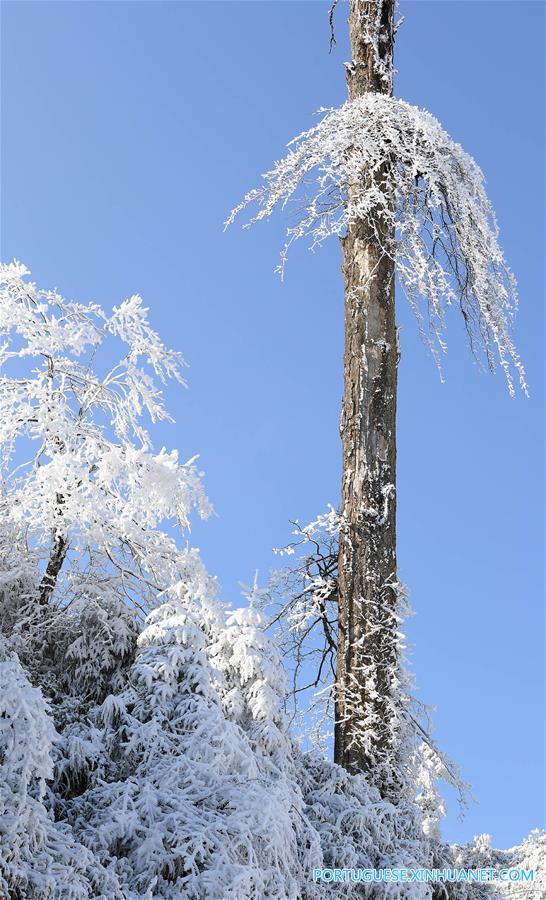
367, 653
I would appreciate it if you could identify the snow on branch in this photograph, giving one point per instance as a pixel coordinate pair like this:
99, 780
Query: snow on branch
387, 164
82, 486
301, 603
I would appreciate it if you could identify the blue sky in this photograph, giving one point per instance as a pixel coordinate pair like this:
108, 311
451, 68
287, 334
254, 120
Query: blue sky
129, 130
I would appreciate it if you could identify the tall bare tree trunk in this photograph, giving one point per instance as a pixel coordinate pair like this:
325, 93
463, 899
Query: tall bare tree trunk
367, 552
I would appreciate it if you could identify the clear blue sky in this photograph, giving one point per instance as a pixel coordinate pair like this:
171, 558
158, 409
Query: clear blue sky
129, 131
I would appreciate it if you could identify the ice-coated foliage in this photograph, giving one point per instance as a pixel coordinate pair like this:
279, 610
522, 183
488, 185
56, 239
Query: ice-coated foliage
187, 808
480, 854
171, 771
144, 748
86, 506
254, 682
530, 855
429, 769
358, 829
391, 165
38, 856
80, 479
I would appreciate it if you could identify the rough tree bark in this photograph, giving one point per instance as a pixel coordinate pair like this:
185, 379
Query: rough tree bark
57, 557
367, 551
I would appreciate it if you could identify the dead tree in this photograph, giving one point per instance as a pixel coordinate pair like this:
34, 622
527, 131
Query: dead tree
404, 197
367, 549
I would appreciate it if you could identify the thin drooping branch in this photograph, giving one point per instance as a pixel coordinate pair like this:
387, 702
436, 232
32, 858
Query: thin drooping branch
442, 234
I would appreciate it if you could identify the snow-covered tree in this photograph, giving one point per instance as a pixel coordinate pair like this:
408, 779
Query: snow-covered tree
406, 200
144, 748
86, 538
38, 856
83, 494
187, 806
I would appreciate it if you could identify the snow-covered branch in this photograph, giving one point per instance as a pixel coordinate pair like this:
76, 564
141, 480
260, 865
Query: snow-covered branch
382, 161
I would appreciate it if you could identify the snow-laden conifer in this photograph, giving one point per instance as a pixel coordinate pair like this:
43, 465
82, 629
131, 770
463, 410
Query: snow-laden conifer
188, 807
254, 681
39, 857
360, 830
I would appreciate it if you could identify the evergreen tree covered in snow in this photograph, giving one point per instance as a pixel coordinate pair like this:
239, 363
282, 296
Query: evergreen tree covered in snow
38, 856
186, 805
